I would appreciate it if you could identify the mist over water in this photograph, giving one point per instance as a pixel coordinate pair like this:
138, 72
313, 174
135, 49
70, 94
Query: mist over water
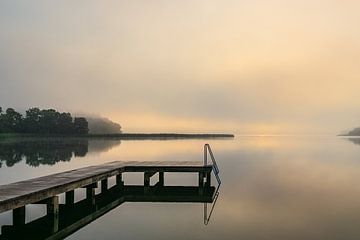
226, 66
274, 187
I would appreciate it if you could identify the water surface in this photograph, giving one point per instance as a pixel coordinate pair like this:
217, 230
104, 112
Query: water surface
272, 187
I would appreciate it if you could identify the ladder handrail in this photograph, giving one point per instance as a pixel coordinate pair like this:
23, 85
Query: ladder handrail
207, 150
206, 215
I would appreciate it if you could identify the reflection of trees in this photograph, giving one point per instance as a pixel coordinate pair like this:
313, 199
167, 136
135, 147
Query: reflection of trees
354, 140
102, 145
43, 152
47, 151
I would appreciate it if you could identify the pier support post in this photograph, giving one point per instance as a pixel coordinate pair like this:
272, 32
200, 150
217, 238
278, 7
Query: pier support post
147, 176
161, 179
55, 223
52, 206
119, 181
208, 179
19, 216
201, 179
52, 209
201, 183
70, 197
146, 179
104, 185
90, 192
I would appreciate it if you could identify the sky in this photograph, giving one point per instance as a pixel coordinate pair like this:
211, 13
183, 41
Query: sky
246, 67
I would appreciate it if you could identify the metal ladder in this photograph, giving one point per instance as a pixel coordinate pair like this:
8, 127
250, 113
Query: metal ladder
208, 151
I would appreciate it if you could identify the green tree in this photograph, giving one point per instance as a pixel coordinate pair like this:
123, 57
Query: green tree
12, 121
48, 121
81, 125
65, 123
41, 121
1, 121
32, 120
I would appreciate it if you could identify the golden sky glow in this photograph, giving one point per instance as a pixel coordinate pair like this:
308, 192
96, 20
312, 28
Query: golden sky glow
261, 67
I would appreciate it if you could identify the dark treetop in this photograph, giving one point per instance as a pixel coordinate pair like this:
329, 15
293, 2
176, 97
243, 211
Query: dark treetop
354, 132
45, 121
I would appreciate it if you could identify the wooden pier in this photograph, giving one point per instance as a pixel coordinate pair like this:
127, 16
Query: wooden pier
44, 190
74, 216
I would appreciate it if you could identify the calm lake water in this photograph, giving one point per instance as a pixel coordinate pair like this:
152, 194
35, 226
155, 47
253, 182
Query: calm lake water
272, 187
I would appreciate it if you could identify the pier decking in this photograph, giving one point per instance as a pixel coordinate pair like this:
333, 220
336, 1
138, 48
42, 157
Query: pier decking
45, 189
66, 218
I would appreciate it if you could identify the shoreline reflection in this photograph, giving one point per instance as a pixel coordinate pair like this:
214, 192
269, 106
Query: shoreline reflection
49, 151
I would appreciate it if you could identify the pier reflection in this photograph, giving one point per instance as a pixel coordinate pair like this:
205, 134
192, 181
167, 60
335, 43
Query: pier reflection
73, 216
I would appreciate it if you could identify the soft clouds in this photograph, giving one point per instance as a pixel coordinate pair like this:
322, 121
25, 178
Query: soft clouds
250, 66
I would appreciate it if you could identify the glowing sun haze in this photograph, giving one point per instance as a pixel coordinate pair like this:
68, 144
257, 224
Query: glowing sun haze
268, 67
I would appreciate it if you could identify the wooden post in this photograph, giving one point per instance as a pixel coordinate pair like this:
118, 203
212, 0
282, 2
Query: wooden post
208, 179
201, 179
161, 179
119, 180
147, 179
70, 197
147, 176
104, 185
90, 192
52, 209
52, 205
55, 223
19, 216
201, 183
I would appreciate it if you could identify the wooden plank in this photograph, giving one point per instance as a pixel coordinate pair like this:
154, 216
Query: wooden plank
34, 190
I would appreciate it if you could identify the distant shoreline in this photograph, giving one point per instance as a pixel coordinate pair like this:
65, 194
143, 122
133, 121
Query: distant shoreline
348, 135
124, 136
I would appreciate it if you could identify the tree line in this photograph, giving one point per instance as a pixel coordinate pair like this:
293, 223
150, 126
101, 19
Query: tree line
41, 121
